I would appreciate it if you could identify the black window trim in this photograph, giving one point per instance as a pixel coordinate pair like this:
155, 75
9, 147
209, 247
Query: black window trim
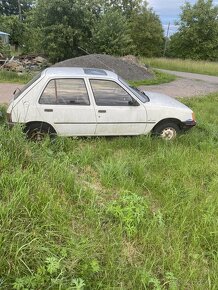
64, 78
111, 80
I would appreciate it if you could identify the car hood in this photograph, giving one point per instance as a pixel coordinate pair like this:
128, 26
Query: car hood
164, 101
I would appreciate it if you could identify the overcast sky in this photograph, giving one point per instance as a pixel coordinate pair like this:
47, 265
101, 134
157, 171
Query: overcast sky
168, 10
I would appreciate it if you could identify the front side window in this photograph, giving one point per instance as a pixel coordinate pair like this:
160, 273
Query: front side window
109, 93
65, 92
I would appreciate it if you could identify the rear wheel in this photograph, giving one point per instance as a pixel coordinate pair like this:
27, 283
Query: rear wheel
167, 131
39, 131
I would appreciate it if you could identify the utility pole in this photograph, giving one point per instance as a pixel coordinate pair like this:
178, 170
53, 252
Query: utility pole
19, 9
167, 38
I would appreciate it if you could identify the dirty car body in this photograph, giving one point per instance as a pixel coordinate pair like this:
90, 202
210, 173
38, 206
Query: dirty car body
94, 102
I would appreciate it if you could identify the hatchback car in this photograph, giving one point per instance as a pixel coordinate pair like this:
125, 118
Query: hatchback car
94, 102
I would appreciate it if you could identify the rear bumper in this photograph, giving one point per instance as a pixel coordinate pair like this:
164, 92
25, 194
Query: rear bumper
188, 125
10, 125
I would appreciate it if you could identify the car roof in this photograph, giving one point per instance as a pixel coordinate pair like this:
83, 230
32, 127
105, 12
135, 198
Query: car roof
79, 72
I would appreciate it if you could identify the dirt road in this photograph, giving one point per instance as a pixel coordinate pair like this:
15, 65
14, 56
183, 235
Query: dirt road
6, 91
187, 85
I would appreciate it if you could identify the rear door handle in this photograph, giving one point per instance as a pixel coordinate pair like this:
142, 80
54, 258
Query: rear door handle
102, 111
48, 110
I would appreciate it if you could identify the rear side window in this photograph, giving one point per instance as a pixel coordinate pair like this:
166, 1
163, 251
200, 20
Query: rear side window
109, 93
18, 92
65, 92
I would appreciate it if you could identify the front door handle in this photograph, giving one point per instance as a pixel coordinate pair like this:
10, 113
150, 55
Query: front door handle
48, 110
102, 111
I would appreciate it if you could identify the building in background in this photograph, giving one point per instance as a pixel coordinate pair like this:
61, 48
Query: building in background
4, 37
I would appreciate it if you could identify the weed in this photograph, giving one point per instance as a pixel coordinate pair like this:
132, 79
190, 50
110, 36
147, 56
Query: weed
111, 213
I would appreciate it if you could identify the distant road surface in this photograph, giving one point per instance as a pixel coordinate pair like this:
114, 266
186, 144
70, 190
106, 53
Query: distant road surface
187, 85
6, 91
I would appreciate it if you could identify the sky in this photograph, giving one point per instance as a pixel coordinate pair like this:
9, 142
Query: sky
169, 11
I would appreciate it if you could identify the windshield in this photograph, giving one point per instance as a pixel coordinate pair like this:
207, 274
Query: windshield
18, 91
139, 94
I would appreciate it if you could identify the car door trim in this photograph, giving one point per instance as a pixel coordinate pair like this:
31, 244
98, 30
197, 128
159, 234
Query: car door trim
62, 123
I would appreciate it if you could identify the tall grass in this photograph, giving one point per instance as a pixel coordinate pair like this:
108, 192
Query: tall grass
201, 67
158, 78
111, 213
13, 77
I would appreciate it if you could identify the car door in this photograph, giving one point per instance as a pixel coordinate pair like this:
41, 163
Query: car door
67, 103
117, 112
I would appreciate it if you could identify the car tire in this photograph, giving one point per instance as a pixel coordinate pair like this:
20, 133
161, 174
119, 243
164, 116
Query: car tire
167, 131
39, 131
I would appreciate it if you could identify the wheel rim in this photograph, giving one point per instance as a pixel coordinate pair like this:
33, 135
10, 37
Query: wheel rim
37, 136
168, 133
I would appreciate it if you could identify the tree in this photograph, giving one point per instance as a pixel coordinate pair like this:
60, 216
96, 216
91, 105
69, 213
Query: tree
58, 28
12, 7
64, 26
197, 36
13, 26
147, 33
110, 34
127, 7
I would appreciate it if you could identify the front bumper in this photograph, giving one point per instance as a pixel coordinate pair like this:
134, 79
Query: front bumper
188, 125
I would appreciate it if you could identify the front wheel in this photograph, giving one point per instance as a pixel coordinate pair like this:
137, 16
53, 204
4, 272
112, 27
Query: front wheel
167, 131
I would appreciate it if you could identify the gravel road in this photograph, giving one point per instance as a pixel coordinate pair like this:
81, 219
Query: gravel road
187, 85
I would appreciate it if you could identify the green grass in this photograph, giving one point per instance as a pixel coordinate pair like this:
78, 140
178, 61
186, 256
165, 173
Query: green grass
13, 77
201, 67
111, 213
159, 78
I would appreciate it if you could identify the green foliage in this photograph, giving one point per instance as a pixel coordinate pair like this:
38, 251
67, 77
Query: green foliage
60, 28
50, 274
12, 7
130, 210
5, 49
158, 78
110, 34
15, 27
13, 77
67, 206
147, 33
63, 25
197, 37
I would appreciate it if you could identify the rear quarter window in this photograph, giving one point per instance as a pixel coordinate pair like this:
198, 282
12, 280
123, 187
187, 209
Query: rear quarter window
20, 91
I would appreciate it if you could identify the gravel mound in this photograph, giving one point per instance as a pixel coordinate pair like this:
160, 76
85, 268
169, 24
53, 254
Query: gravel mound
123, 67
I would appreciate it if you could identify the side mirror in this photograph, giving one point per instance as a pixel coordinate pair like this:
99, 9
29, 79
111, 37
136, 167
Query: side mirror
133, 102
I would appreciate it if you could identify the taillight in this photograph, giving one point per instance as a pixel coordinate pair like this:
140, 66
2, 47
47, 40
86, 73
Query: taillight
9, 117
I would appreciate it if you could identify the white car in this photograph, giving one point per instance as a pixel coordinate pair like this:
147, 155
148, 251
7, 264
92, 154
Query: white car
94, 102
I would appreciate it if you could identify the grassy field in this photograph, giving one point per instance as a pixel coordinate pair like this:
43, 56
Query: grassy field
13, 77
111, 213
201, 67
159, 78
